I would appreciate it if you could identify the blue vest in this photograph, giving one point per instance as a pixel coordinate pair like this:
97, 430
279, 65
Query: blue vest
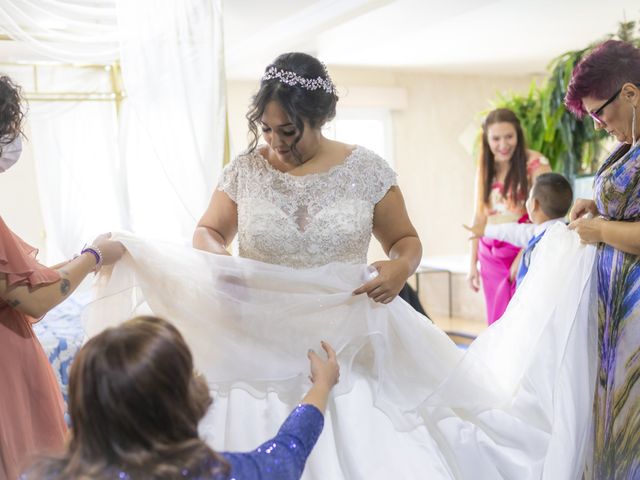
526, 258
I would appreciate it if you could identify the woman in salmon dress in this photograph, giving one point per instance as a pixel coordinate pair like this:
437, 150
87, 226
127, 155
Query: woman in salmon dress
31, 406
30, 400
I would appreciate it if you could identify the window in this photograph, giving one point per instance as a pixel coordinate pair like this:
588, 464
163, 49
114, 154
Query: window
369, 127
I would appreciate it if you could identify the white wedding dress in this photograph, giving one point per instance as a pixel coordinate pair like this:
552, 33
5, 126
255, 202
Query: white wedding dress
410, 404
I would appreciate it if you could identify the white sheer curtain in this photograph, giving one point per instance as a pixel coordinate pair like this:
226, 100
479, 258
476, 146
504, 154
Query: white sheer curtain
77, 164
174, 116
152, 168
64, 30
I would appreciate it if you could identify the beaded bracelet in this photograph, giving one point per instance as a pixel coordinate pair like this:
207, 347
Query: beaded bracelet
95, 251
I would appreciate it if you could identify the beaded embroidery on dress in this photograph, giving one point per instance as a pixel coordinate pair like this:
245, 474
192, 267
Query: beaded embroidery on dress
311, 220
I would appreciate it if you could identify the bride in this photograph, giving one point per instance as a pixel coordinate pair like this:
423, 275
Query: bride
410, 404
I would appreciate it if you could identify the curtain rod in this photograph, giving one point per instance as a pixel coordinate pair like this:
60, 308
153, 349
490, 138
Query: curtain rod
53, 64
117, 93
73, 97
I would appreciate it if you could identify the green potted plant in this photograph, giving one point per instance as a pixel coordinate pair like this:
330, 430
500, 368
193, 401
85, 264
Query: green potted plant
573, 147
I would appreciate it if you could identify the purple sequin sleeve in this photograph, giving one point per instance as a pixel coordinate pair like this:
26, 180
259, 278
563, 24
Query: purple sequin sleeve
284, 456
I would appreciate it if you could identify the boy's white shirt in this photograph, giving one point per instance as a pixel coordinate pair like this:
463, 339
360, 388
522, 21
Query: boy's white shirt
518, 234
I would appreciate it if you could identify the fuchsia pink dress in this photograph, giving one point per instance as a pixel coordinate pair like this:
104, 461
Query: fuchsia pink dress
31, 406
496, 256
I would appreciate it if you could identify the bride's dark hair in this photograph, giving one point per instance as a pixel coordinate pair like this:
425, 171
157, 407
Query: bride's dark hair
315, 106
135, 405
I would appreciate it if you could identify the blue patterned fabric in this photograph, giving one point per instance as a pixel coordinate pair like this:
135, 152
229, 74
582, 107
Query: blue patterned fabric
526, 258
617, 396
61, 334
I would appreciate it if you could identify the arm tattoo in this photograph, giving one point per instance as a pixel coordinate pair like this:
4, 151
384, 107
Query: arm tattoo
65, 286
14, 303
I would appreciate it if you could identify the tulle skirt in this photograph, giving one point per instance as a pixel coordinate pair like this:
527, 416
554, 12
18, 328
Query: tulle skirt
410, 404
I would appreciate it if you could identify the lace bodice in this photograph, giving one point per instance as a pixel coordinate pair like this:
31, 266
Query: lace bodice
311, 220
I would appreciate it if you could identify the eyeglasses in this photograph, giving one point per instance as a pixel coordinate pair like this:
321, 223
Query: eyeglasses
596, 113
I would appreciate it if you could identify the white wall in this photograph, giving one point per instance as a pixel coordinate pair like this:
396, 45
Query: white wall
20, 202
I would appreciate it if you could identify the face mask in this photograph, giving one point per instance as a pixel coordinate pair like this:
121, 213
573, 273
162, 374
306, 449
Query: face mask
10, 154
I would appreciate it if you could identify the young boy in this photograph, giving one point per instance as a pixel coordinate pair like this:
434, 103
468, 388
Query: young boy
549, 202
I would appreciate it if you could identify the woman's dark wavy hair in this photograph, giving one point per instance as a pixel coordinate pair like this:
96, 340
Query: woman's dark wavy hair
516, 185
316, 107
11, 113
135, 405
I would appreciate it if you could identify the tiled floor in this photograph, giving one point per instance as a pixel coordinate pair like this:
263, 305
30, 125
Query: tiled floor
441, 298
463, 325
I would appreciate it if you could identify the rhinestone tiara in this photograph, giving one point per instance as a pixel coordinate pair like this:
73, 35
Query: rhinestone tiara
292, 79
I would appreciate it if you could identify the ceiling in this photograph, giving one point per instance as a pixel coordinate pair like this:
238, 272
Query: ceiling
461, 36
455, 36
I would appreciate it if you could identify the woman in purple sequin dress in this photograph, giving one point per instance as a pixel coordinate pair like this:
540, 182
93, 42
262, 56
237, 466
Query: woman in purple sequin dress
135, 405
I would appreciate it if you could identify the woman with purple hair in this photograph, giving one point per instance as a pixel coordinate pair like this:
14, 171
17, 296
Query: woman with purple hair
606, 85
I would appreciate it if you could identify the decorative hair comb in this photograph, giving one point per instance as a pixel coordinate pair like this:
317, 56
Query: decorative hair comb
292, 79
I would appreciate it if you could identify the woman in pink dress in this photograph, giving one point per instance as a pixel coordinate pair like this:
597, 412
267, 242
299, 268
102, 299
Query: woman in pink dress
31, 407
506, 171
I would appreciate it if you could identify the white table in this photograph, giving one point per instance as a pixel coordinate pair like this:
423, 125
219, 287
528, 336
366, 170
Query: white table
448, 264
